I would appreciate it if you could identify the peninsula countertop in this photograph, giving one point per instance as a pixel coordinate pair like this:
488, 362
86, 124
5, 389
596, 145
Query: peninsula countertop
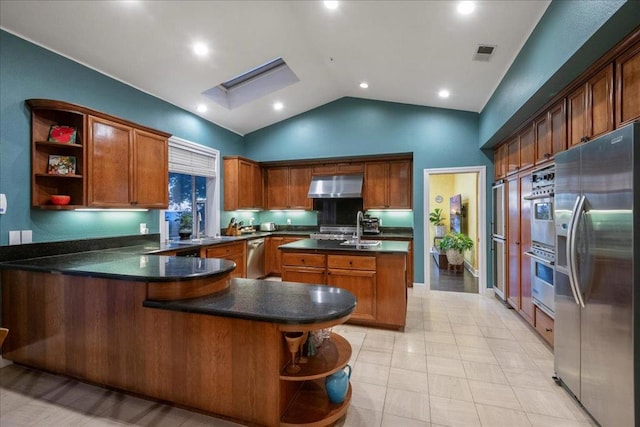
122, 265
269, 301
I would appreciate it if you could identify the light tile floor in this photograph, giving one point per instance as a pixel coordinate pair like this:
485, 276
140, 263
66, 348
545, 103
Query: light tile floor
463, 360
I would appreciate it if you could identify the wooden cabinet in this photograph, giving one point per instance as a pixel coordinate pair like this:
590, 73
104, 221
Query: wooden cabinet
118, 164
550, 133
544, 325
45, 114
388, 184
287, 187
500, 155
526, 302
513, 242
274, 255
344, 168
138, 181
234, 251
357, 274
304, 268
243, 184
628, 86
590, 108
513, 155
527, 147
378, 281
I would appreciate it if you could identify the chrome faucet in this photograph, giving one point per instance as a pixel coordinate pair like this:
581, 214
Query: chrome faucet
359, 218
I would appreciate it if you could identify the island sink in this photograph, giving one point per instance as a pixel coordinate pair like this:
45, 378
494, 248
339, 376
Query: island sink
361, 243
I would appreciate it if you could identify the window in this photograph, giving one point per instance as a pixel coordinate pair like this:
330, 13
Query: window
194, 191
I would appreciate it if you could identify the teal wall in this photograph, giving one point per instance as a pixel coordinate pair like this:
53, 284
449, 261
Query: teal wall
570, 36
437, 138
28, 71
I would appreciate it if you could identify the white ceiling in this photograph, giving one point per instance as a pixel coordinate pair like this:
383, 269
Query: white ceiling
406, 50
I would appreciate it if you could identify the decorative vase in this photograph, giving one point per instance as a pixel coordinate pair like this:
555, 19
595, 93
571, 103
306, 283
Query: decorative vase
454, 257
440, 230
337, 385
184, 233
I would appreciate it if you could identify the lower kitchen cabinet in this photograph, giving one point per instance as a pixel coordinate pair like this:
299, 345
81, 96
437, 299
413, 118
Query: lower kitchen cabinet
304, 268
273, 260
544, 325
357, 274
234, 251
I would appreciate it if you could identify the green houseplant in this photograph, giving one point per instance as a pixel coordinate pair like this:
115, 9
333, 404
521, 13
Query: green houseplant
186, 225
436, 217
454, 244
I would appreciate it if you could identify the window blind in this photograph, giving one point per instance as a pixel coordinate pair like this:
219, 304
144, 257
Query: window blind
191, 158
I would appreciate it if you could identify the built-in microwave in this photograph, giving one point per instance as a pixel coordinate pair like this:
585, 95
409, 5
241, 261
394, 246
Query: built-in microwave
542, 223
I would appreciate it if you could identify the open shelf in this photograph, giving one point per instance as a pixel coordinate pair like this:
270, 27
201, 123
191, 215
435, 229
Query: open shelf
58, 144
311, 407
331, 356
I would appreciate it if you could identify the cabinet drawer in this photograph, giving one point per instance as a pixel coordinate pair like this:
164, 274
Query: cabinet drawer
223, 251
544, 325
306, 260
352, 262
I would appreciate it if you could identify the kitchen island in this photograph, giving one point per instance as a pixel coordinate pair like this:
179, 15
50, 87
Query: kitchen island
177, 330
375, 272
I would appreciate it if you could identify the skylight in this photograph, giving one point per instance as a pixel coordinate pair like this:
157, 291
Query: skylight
253, 84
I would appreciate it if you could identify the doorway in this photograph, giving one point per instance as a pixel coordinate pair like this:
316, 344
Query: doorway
467, 188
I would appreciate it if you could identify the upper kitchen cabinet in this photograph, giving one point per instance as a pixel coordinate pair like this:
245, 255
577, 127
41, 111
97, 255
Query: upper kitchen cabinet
500, 162
128, 167
550, 133
628, 86
243, 184
513, 155
387, 184
344, 168
287, 187
527, 147
45, 180
590, 108
106, 163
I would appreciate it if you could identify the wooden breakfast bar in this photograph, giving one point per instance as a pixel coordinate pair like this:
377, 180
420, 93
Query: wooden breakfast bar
177, 330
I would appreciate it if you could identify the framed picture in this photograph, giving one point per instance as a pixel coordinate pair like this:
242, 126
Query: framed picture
62, 165
62, 134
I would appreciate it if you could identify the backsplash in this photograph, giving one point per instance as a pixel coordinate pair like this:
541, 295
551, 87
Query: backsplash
310, 218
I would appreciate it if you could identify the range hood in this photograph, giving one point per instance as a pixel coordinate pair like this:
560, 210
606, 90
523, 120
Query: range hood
335, 186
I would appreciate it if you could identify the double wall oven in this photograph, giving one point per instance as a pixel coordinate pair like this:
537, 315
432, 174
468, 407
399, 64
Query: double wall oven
543, 252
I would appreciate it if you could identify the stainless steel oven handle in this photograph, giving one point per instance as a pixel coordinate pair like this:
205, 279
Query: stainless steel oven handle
540, 259
572, 251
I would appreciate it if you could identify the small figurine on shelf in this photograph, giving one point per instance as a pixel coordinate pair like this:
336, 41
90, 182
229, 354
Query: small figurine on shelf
337, 385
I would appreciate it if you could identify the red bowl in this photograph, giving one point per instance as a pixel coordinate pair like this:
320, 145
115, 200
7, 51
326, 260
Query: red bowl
60, 199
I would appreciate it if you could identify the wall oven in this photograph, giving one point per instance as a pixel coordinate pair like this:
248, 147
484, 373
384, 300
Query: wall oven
542, 278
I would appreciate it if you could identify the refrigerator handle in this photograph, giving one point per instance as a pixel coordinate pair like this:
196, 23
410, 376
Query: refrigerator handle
576, 214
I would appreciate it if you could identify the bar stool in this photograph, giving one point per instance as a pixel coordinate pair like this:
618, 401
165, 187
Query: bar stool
3, 335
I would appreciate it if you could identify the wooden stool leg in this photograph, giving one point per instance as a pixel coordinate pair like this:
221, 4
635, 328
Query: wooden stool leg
3, 335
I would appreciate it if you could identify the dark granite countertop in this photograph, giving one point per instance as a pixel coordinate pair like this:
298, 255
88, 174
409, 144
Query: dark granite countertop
122, 265
269, 301
335, 245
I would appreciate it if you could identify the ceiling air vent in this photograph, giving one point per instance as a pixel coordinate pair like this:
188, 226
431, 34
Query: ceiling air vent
483, 53
253, 84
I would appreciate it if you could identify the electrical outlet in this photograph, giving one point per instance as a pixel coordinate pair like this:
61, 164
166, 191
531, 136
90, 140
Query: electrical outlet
288, 221
26, 236
14, 237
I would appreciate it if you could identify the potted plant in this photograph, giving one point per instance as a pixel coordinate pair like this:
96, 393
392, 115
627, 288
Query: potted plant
454, 244
436, 218
186, 225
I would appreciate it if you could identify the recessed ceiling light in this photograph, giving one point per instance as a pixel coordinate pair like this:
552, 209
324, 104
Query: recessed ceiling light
331, 4
443, 93
278, 106
202, 108
364, 85
200, 49
466, 7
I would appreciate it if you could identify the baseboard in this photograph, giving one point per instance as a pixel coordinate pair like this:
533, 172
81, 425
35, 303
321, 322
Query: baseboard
470, 269
5, 362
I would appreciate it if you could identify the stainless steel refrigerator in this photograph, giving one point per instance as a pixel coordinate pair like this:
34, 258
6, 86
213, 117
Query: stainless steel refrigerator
597, 284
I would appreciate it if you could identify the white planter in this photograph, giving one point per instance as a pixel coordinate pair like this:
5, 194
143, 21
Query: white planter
454, 257
440, 230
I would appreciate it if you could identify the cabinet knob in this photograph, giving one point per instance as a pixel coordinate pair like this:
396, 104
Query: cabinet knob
547, 155
548, 329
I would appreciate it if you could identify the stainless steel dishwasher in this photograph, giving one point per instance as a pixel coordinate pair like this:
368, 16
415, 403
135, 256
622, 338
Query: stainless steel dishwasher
255, 259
